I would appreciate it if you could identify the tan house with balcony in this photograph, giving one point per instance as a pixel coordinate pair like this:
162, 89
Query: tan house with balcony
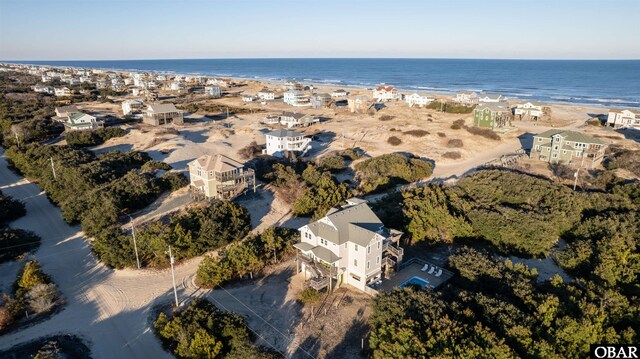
220, 177
568, 147
350, 245
157, 114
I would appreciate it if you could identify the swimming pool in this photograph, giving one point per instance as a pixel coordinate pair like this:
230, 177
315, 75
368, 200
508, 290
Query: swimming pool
415, 281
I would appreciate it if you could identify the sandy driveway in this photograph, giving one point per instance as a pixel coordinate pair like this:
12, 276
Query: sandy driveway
110, 308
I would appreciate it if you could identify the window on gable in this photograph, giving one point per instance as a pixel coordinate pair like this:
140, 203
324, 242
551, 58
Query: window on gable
356, 247
355, 262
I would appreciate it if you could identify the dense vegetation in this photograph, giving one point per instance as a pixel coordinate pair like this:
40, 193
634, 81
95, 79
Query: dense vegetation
189, 234
23, 112
203, 331
93, 138
382, 172
14, 242
517, 213
496, 309
10, 209
450, 107
94, 191
34, 293
311, 191
247, 257
624, 159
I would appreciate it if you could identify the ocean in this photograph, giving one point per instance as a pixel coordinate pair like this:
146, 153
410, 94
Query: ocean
609, 83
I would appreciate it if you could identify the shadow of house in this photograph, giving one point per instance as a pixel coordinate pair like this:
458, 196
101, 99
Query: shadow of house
263, 301
351, 344
309, 348
320, 144
526, 141
195, 136
630, 133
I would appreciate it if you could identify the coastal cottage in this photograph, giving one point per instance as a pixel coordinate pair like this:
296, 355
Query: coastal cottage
130, 107
350, 245
62, 91
266, 95
176, 86
160, 114
79, 121
339, 93
491, 115
386, 93
568, 147
320, 100
220, 177
491, 98
64, 111
43, 89
281, 141
466, 97
359, 104
530, 111
296, 98
418, 100
293, 119
213, 91
618, 118
249, 98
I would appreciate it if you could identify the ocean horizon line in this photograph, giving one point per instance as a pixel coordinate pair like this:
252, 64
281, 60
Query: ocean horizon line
323, 58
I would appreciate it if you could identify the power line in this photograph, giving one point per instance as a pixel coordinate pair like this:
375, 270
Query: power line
264, 320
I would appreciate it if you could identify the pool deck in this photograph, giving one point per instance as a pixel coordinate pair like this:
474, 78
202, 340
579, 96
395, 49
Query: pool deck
414, 270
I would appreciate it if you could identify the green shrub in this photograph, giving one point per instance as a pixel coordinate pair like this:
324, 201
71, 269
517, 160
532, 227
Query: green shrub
378, 173
484, 132
248, 257
332, 163
452, 155
308, 295
394, 141
454, 143
10, 209
416, 133
16, 242
93, 137
450, 107
201, 330
386, 118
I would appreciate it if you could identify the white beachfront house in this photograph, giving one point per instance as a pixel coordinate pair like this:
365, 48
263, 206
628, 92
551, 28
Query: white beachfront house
624, 118
339, 93
466, 97
130, 107
249, 98
213, 91
529, 110
350, 245
281, 141
293, 119
418, 100
489, 97
296, 98
80, 121
176, 86
62, 91
266, 95
386, 93
43, 89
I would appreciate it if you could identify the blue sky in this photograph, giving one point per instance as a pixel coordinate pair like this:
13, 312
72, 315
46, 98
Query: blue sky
167, 29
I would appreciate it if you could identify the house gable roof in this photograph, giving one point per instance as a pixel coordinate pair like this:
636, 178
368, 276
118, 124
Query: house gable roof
217, 163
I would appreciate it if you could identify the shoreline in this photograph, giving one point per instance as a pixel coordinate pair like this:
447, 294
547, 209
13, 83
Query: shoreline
330, 84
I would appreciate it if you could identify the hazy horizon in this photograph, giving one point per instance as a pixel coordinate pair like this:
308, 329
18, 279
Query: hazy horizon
38, 30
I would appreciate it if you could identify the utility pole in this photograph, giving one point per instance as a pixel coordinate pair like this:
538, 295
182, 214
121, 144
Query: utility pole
173, 276
17, 139
575, 182
135, 245
53, 168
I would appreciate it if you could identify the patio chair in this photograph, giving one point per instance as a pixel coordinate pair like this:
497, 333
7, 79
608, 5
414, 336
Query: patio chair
424, 269
439, 273
432, 269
